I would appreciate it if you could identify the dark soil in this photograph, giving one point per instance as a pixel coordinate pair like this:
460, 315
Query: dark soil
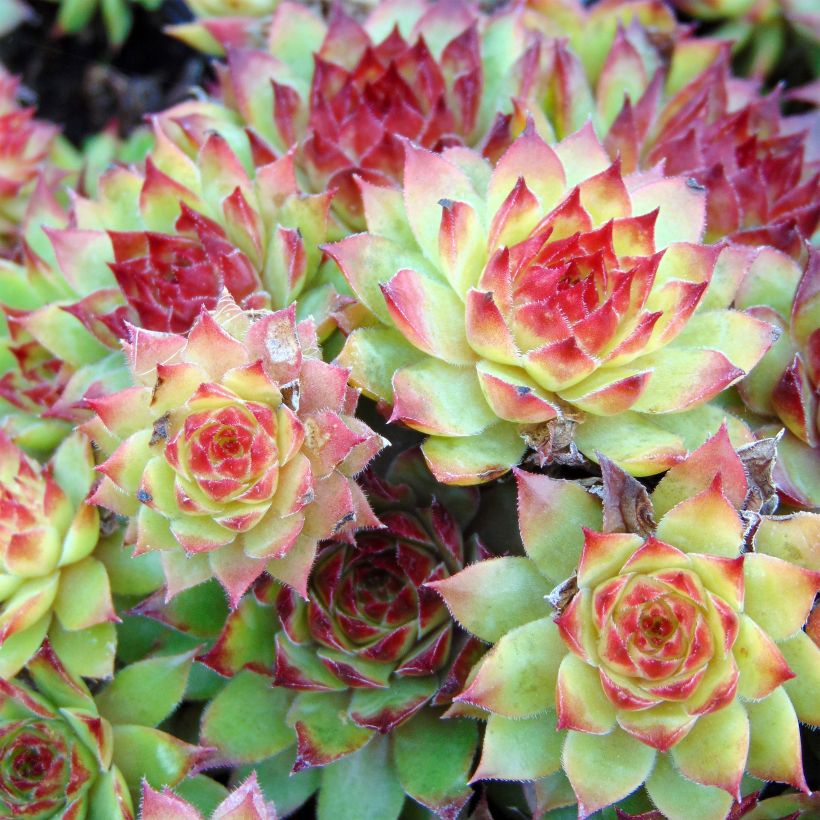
80, 84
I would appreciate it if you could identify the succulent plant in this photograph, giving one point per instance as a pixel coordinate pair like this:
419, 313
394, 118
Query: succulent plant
549, 291
244, 803
196, 222
75, 15
50, 582
363, 665
656, 94
668, 657
86, 755
25, 143
435, 73
786, 384
235, 450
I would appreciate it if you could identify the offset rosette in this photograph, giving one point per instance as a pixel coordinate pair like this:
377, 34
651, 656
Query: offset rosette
373, 649
785, 388
55, 751
235, 451
549, 289
436, 73
672, 650
50, 583
656, 94
170, 239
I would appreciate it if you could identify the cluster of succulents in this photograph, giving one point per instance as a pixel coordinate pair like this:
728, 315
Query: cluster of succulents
423, 420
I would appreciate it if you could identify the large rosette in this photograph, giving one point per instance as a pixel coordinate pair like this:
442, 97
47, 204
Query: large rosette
669, 649
551, 288
236, 449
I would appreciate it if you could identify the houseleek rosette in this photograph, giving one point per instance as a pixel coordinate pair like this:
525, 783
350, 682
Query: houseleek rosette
670, 658
436, 73
50, 582
235, 450
362, 666
548, 289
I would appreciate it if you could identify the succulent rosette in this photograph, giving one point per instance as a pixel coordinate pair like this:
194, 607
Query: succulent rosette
196, 222
50, 582
786, 385
657, 95
549, 291
362, 667
668, 658
436, 73
68, 754
235, 450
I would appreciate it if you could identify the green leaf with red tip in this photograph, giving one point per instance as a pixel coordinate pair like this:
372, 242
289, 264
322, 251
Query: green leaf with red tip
374, 355
552, 514
360, 785
384, 709
627, 763
324, 730
695, 473
580, 701
707, 522
141, 752
517, 678
441, 399
766, 580
803, 657
433, 759
146, 692
714, 752
774, 750
634, 442
679, 798
474, 459
245, 722
523, 749
54, 682
492, 597
279, 784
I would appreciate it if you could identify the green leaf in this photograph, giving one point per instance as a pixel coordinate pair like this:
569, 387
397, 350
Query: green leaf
518, 676
109, 797
433, 759
605, 768
146, 692
527, 749
324, 730
475, 459
492, 597
286, 789
246, 720
679, 798
129, 574
551, 515
141, 752
202, 793
363, 784
87, 652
